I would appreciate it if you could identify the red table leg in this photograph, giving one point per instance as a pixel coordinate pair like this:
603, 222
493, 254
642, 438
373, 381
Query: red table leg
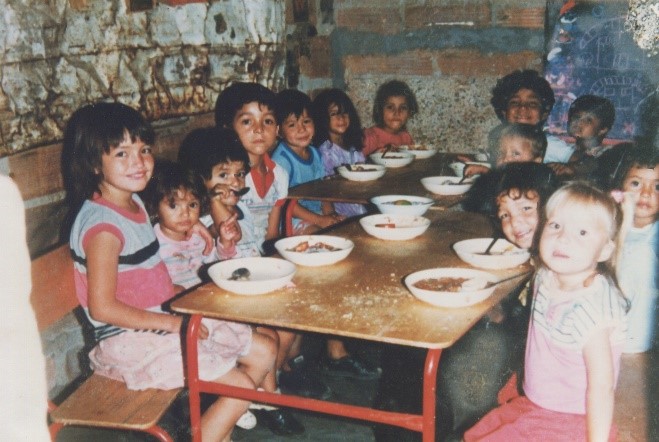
192, 364
429, 394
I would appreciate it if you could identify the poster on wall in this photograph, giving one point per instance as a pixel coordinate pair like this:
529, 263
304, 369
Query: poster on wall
591, 52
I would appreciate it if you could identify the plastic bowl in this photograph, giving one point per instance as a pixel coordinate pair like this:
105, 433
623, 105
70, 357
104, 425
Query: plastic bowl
314, 256
394, 227
266, 275
362, 172
446, 185
392, 159
402, 204
458, 167
503, 254
420, 151
481, 286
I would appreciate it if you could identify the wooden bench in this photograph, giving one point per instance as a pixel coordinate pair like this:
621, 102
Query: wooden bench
99, 401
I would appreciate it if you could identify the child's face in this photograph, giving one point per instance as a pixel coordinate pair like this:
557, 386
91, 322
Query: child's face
338, 121
514, 149
256, 127
573, 241
584, 125
525, 107
231, 174
395, 113
127, 167
645, 183
178, 215
298, 131
519, 216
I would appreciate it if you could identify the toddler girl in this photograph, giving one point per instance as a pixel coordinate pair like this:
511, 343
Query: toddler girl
121, 281
394, 105
301, 160
638, 261
577, 328
339, 137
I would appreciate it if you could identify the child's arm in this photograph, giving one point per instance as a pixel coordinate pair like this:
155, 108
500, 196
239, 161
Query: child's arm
229, 235
102, 265
319, 220
273, 223
327, 208
600, 390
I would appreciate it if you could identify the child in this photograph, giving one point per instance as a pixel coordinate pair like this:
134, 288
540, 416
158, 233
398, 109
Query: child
339, 138
121, 281
218, 158
577, 328
394, 105
638, 262
248, 109
301, 160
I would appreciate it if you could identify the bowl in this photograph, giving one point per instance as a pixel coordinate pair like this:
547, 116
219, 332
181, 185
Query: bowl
314, 250
394, 227
392, 159
362, 172
458, 167
478, 286
402, 204
265, 275
503, 254
446, 185
420, 151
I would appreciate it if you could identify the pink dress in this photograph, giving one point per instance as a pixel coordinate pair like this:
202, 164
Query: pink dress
376, 138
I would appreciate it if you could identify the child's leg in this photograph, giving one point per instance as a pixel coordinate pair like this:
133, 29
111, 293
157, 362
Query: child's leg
218, 421
259, 363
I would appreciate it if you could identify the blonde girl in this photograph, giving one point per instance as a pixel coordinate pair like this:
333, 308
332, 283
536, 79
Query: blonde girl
577, 328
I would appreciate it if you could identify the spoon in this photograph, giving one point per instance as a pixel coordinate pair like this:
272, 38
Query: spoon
387, 148
494, 240
240, 192
240, 274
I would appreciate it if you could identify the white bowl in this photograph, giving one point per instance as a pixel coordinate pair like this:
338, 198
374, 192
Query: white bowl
402, 204
420, 151
446, 185
394, 227
503, 254
480, 286
392, 159
315, 254
266, 274
362, 172
458, 167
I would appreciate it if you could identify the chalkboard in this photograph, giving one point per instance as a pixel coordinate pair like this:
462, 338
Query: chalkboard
590, 52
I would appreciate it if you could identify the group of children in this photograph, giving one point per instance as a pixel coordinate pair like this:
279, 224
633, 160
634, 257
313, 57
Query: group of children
223, 199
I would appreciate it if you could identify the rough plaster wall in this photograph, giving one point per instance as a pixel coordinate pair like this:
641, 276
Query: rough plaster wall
170, 61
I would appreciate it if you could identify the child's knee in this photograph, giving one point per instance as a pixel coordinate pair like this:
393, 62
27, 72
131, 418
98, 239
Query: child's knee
264, 348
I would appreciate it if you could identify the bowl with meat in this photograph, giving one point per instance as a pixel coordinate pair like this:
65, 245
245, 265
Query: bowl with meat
314, 250
361, 172
252, 275
394, 227
451, 287
447, 185
502, 254
402, 204
392, 159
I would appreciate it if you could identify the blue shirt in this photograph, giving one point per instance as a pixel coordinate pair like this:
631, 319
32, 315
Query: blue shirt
299, 170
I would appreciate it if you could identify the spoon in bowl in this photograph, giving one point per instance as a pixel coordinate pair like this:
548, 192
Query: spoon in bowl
240, 274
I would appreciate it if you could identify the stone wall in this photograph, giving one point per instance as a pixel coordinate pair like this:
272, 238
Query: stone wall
170, 62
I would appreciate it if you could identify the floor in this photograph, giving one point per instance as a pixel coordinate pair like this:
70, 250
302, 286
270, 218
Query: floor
637, 410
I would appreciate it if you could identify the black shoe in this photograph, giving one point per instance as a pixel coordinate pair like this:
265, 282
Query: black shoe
347, 367
280, 421
301, 382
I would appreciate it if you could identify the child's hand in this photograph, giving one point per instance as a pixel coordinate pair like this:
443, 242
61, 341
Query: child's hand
465, 158
330, 219
230, 232
475, 169
561, 169
220, 191
202, 231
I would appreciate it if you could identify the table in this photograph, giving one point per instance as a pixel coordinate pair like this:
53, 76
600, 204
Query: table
360, 297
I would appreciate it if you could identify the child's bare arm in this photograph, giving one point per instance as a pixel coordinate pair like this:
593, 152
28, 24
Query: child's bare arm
475, 169
319, 220
600, 391
230, 233
102, 267
327, 208
273, 223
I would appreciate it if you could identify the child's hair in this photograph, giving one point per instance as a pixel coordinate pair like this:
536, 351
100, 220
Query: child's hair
202, 149
232, 98
508, 86
353, 136
393, 88
601, 206
291, 101
534, 134
601, 107
94, 130
634, 156
515, 180
168, 178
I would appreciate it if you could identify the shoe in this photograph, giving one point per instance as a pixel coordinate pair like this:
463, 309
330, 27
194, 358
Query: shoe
299, 381
280, 421
247, 421
347, 367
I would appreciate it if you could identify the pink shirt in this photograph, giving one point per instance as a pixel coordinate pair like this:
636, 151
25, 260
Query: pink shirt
561, 325
376, 138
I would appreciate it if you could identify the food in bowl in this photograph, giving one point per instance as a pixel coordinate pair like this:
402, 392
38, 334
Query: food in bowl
402, 204
392, 159
361, 172
447, 185
502, 254
314, 250
420, 151
252, 275
447, 284
307, 247
451, 287
394, 227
